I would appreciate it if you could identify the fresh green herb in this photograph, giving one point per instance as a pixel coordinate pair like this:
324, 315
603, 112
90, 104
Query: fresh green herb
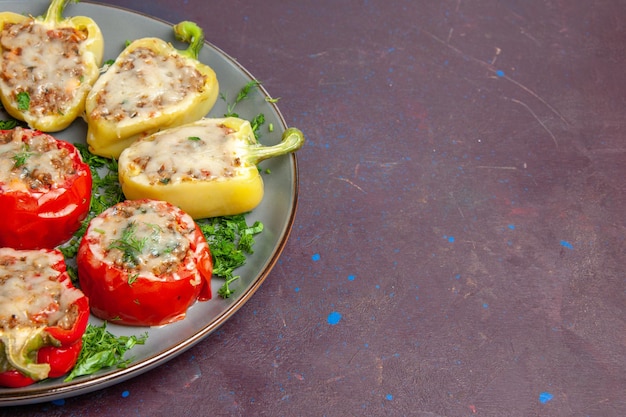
272, 100
132, 278
194, 138
241, 96
23, 100
106, 192
256, 124
244, 93
270, 127
224, 291
20, 158
128, 243
230, 239
101, 349
7, 124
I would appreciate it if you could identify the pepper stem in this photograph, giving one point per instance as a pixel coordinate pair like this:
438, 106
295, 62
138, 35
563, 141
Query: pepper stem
192, 34
292, 140
18, 348
55, 10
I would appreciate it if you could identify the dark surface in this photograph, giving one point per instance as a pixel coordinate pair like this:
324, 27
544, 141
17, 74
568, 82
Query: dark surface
461, 207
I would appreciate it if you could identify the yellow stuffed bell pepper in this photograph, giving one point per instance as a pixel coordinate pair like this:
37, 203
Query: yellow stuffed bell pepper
48, 66
151, 86
207, 168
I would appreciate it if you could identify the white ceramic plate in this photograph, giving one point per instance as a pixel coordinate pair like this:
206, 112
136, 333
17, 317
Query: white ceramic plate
277, 210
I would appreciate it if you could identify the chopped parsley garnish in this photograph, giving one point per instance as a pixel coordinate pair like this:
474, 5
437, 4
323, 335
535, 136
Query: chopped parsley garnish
21, 157
132, 278
7, 124
106, 192
129, 245
256, 122
241, 96
101, 349
23, 100
194, 138
230, 239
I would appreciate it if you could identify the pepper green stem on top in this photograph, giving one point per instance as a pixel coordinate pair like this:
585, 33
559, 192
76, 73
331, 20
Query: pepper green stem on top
190, 33
292, 140
55, 10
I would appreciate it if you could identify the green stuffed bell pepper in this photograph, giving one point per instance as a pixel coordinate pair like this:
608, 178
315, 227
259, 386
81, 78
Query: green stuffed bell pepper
48, 66
151, 86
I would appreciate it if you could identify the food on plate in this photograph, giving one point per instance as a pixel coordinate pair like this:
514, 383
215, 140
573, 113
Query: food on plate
143, 263
150, 86
42, 317
45, 189
207, 168
48, 66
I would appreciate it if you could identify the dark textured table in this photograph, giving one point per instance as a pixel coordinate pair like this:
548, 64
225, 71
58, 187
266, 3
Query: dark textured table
459, 244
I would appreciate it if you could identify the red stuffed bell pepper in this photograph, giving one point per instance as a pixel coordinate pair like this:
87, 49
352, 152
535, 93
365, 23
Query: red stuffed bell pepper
45, 189
144, 263
42, 317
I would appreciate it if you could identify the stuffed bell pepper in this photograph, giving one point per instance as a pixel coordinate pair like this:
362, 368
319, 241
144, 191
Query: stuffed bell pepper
48, 66
42, 317
144, 263
150, 86
207, 168
45, 189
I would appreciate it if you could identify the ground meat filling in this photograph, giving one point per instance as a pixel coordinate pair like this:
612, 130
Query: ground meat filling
144, 83
32, 287
44, 63
33, 162
145, 238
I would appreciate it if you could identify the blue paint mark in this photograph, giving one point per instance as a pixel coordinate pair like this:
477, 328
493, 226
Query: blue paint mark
334, 318
485, 305
500, 73
457, 276
351, 277
544, 397
377, 287
297, 289
566, 244
316, 257
449, 238
389, 397
59, 402
512, 226
125, 394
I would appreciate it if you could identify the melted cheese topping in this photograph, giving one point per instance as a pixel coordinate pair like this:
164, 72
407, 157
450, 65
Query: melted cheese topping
143, 84
196, 152
31, 294
46, 63
32, 161
143, 238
